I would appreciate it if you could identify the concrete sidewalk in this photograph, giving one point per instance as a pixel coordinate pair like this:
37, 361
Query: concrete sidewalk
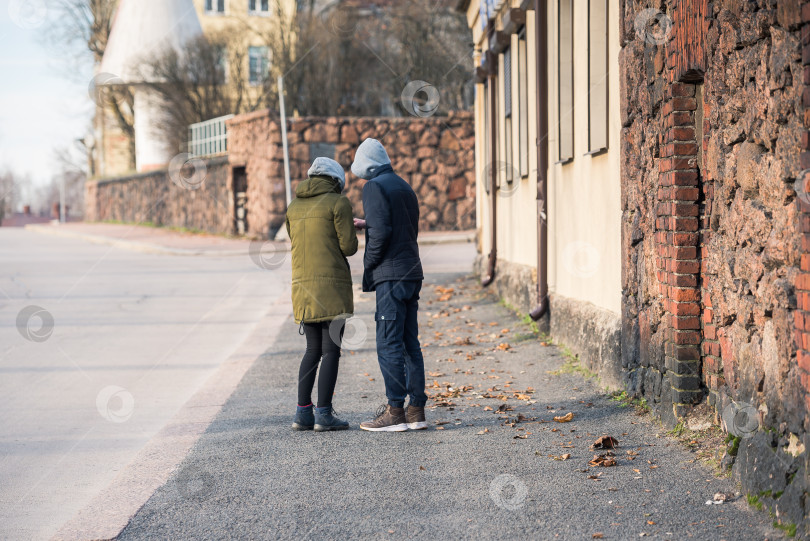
157, 240
493, 464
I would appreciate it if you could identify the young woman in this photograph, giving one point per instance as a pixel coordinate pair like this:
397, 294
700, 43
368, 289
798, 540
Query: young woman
322, 231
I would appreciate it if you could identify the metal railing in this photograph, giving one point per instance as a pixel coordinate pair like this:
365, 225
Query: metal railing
209, 138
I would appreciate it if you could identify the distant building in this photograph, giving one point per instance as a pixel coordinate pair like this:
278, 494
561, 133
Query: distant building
250, 21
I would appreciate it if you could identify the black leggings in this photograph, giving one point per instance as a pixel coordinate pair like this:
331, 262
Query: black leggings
320, 343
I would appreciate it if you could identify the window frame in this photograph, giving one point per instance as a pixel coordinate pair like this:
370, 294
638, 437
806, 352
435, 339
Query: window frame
508, 108
224, 64
257, 11
523, 103
487, 137
562, 156
265, 71
212, 7
595, 149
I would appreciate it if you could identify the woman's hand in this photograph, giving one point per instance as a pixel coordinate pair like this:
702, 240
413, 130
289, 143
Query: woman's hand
359, 224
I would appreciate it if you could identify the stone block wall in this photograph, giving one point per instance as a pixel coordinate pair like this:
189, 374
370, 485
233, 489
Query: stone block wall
712, 125
435, 155
156, 198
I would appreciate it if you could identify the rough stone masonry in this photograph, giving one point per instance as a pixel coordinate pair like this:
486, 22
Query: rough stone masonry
713, 251
435, 154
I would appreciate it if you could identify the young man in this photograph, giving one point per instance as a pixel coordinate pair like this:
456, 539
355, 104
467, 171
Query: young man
393, 269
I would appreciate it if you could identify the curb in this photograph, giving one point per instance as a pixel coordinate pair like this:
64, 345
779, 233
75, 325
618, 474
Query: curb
136, 246
110, 511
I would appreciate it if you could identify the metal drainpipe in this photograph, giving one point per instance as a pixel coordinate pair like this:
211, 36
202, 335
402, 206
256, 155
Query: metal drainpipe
493, 169
541, 40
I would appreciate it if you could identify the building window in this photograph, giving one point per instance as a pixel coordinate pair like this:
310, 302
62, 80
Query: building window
222, 64
508, 155
259, 7
259, 65
523, 104
487, 137
215, 6
597, 76
565, 74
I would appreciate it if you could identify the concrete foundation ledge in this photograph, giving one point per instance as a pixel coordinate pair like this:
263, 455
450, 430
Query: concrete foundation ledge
592, 333
514, 283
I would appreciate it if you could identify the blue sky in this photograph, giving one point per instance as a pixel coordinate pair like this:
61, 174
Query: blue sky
44, 102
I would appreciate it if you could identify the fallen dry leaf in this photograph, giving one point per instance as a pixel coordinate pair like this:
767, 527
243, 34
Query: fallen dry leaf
482, 432
597, 535
422, 468
604, 460
503, 346
520, 437
566, 456
565, 418
606, 442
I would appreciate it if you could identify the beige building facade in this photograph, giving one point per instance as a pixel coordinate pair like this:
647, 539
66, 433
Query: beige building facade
248, 25
578, 150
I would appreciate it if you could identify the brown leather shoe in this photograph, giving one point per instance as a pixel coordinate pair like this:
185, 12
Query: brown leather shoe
388, 420
415, 416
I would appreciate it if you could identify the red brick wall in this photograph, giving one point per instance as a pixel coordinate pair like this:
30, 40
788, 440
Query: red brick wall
711, 250
802, 314
678, 240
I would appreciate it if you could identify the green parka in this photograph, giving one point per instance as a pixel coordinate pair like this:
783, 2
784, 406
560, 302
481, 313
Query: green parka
320, 224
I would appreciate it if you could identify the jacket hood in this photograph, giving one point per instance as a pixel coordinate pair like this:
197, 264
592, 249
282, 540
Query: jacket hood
317, 185
326, 167
369, 159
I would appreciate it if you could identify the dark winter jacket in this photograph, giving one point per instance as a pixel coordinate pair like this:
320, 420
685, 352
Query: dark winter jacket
321, 229
392, 226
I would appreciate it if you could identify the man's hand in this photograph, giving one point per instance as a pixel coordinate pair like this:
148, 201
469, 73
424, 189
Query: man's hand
359, 224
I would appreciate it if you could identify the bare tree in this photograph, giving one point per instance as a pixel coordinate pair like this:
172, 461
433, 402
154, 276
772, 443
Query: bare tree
355, 58
84, 26
8, 194
205, 80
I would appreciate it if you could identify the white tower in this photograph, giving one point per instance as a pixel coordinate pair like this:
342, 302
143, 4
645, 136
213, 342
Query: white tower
142, 31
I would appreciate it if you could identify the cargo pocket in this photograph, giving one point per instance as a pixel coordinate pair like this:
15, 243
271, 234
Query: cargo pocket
386, 326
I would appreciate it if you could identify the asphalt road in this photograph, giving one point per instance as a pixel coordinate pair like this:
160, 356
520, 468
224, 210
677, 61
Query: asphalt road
479, 474
133, 336
118, 343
